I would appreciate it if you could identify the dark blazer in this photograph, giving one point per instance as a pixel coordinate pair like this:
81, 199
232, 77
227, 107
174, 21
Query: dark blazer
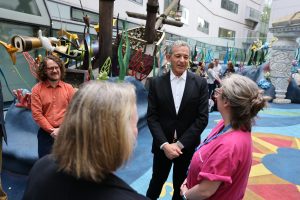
2, 122
47, 183
192, 116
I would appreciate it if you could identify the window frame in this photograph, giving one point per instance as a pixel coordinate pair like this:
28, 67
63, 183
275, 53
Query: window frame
43, 20
226, 37
203, 29
140, 2
230, 5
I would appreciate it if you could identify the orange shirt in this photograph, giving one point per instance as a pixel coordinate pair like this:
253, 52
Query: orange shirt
48, 104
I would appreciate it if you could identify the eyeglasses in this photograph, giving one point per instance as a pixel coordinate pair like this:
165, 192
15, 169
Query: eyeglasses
52, 68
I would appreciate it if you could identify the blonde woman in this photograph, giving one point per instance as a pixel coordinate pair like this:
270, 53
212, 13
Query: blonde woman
221, 164
201, 70
96, 138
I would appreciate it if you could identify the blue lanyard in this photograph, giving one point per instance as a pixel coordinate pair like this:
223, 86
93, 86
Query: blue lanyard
208, 140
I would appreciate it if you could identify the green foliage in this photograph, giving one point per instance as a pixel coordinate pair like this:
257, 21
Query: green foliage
103, 74
123, 60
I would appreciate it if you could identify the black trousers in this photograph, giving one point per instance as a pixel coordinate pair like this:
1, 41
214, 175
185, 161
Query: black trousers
211, 88
161, 168
45, 142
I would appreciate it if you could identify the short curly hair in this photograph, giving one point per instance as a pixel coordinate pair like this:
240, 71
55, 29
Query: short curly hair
41, 71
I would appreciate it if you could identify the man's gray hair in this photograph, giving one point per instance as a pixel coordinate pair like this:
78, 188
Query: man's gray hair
177, 43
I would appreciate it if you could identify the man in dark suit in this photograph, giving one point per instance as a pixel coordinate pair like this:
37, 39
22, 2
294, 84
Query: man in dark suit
3, 195
177, 114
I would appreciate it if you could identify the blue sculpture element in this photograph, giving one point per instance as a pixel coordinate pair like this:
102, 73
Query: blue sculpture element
264, 84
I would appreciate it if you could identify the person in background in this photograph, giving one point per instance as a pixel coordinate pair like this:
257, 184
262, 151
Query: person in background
3, 137
201, 70
230, 69
212, 79
96, 138
49, 100
177, 114
217, 68
221, 164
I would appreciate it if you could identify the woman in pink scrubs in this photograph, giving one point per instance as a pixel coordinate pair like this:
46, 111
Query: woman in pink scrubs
221, 164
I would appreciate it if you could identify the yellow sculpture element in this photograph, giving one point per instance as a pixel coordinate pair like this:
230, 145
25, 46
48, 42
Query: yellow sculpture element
167, 187
70, 36
97, 27
103, 74
273, 40
67, 48
11, 50
256, 45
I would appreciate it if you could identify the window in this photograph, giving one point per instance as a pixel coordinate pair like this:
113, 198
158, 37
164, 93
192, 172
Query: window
230, 6
138, 1
185, 15
24, 6
203, 25
227, 34
77, 15
172, 13
254, 13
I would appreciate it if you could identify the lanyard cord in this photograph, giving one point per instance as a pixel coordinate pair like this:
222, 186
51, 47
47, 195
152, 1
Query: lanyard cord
208, 140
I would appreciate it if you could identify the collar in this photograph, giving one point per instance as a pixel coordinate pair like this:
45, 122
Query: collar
47, 83
183, 76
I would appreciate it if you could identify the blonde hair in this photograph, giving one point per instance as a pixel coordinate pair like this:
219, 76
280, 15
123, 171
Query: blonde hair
96, 137
245, 99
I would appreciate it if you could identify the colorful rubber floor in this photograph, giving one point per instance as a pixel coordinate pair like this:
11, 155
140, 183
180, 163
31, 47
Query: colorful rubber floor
275, 172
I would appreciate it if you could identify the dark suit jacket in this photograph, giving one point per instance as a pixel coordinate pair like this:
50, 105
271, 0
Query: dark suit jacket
192, 116
47, 183
2, 122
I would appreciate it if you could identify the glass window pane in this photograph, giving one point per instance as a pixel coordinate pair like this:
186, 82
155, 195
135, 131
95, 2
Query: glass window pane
226, 33
230, 6
138, 1
24, 6
77, 15
203, 25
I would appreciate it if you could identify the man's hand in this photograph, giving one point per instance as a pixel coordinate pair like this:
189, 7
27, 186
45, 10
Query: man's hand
172, 151
54, 133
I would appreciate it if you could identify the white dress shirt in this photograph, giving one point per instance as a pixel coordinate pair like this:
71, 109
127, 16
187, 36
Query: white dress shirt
177, 85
